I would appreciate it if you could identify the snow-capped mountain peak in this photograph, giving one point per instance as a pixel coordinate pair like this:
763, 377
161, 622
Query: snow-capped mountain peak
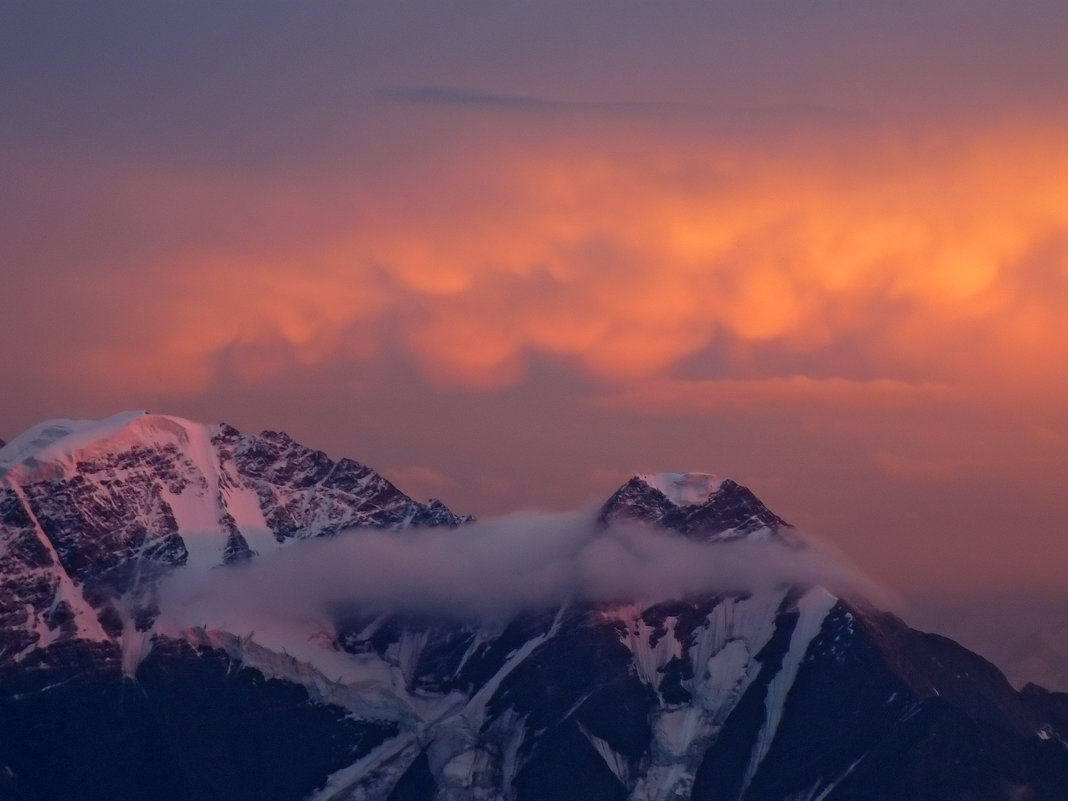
92, 513
700, 506
59, 440
57, 447
751, 691
683, 489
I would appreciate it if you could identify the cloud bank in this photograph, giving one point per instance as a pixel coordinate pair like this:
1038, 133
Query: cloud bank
489, 570
632, 249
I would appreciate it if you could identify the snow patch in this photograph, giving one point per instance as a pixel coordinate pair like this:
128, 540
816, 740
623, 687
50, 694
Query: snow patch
406, 652
813, 608
364, 687
727, 677
88, 626
58, 440
475, 712
373, 776
616, 762
721, 653
243, 504
136, 645
652, 648
199, 529
683, 489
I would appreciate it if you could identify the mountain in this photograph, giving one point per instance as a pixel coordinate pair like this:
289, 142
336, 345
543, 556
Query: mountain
92, 513
700, 506
779, 690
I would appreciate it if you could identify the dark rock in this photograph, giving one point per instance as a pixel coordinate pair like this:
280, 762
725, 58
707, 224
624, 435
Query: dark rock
192, 725
732, 509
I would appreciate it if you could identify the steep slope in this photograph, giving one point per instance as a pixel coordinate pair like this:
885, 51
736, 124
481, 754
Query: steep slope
92, 513
780, 691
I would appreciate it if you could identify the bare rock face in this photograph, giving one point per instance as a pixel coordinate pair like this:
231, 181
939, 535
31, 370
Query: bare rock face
782, 692
303, 493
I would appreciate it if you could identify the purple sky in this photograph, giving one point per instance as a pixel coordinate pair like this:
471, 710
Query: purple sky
510, 254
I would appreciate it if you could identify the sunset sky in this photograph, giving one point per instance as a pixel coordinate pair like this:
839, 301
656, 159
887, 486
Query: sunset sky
511, 253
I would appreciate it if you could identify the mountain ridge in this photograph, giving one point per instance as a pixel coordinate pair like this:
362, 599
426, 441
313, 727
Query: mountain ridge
96, 512
778, 690
719, 509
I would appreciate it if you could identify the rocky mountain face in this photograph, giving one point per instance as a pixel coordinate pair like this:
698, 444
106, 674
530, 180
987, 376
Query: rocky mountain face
92, 515
781, 692
699, 506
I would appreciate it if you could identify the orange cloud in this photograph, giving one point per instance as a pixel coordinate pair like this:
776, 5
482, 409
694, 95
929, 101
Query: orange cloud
626, 259
627, 271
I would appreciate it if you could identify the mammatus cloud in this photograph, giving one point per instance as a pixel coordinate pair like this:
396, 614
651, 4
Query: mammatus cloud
940, 257
492, 570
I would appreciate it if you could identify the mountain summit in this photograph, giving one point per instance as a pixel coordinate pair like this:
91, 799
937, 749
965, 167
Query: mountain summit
698, 505
761, 693
683, 489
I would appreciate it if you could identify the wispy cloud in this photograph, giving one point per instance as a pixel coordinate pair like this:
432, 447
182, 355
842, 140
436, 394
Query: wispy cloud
465, 97
474, 98
493, 569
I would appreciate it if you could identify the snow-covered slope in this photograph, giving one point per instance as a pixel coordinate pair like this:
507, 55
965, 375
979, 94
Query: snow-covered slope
92, 513
777, 691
